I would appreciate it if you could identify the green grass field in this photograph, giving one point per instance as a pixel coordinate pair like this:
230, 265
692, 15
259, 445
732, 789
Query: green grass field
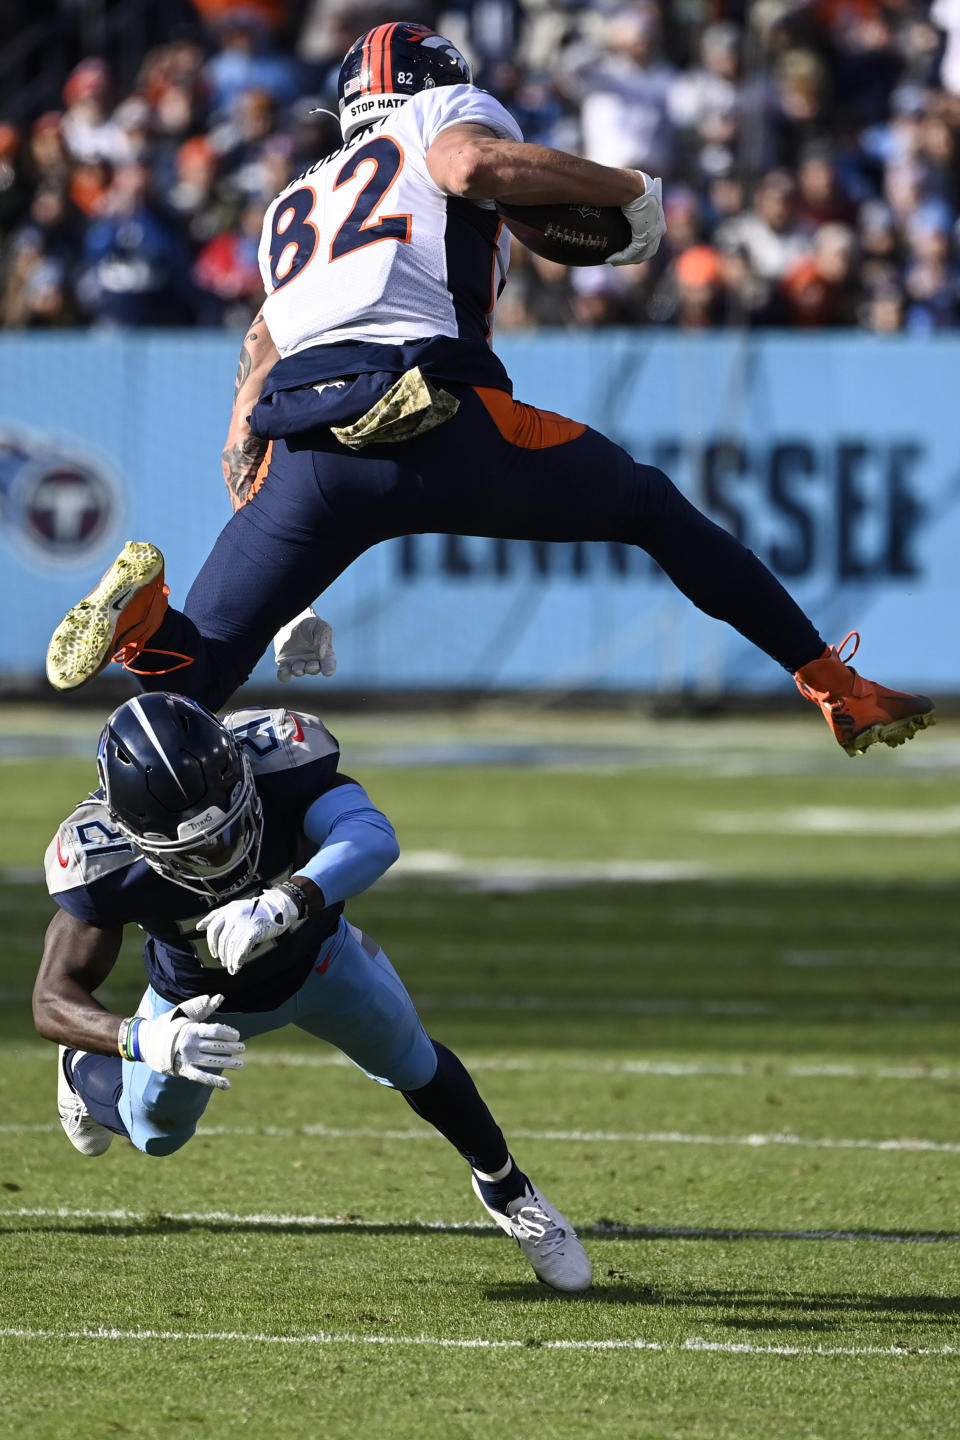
706, 976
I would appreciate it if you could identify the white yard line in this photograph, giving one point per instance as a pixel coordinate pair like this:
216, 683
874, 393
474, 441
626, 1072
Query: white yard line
524, 874
602, 1230
637, 1005
669, 1005
764, 1069
673, 1069
692, 1343
835, 820
520, 874
865, 959
603, 1005
600, 1137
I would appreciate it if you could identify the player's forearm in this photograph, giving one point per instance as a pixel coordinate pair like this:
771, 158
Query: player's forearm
244, 452
77, 958
357, 845
536, 175
353, 859
70, 1016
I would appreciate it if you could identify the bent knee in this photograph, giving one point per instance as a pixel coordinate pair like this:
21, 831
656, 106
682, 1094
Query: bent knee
411, 1069
165, 1144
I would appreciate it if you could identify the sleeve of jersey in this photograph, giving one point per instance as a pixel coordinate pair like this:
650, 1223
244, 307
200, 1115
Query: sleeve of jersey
466, 105
357, 842
66, 878
279, 741
263, 250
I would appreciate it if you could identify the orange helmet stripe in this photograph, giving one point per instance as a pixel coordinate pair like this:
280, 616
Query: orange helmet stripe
385, 66
376, 58
372, 63
364, 65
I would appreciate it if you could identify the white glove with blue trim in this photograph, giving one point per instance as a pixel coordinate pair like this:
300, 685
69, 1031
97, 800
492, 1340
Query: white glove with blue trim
304, 646
176, 1044
235, 930
647, 223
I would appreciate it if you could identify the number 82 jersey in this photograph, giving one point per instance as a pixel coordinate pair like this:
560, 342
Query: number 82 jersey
365, 246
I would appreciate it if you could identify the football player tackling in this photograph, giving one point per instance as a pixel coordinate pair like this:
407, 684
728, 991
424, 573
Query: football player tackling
233, 845
369, 405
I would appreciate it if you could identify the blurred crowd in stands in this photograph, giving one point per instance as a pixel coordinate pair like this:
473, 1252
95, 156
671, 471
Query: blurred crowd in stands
810, 153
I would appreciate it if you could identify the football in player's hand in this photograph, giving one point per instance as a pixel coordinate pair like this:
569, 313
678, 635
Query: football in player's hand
569, 234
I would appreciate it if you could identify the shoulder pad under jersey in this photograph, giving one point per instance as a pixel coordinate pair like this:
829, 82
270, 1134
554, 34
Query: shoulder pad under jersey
277, 740
433, 110
85, 848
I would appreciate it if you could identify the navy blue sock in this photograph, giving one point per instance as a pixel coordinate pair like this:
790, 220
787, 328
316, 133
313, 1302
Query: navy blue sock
452, 1103
499, 1193
98, 1080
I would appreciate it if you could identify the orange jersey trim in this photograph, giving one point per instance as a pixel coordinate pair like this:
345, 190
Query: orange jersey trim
372, 220
494, 270
524, 425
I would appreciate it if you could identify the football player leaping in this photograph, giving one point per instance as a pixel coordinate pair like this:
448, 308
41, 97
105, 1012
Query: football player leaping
241, 839
369, 404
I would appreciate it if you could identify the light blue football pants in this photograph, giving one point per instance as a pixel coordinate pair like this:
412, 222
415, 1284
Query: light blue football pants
352, 998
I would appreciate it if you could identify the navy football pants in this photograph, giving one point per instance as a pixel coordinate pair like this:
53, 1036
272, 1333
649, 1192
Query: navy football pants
497, 469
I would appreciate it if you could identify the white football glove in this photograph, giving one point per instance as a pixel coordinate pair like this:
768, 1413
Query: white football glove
647, 223
235, 930
304, 646
175, 1043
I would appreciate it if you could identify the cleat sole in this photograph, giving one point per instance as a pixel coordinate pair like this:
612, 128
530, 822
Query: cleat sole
897, 732
88, 635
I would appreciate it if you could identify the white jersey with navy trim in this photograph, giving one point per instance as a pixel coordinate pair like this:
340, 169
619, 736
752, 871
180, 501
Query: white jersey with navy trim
365, 246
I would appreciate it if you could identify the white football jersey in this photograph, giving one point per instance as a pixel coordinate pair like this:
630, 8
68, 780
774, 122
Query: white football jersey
366, 246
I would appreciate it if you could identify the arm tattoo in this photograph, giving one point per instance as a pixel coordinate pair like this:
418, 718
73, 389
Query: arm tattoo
246, 359
245, 365
240, 465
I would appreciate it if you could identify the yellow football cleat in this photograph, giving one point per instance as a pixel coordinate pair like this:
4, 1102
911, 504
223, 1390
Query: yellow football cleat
114, 621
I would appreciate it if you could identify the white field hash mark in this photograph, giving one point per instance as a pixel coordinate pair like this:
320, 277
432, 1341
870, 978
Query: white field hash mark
601, 1230
603, 1137
692, 1343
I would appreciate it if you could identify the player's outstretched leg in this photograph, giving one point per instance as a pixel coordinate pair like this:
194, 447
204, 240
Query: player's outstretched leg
84, 1133
546, 1237
860, 712
116, 618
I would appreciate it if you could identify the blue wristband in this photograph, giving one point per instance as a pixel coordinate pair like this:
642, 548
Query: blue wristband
133, 1038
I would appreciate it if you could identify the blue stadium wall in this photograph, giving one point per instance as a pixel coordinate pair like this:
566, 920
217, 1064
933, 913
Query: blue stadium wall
835, 458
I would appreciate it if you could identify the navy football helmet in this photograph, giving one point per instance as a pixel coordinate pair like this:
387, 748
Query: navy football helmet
390, 63
181, 790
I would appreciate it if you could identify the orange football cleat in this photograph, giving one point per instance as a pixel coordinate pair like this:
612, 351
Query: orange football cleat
113, 622
860, 712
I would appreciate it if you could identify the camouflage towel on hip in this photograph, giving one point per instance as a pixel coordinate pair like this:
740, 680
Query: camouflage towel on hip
410, 407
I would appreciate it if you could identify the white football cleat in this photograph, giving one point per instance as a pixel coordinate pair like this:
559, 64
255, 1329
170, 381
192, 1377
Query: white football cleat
547, 1239
84, 1133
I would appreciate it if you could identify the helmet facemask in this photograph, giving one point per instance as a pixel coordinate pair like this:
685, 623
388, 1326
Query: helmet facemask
215, 853
181, 791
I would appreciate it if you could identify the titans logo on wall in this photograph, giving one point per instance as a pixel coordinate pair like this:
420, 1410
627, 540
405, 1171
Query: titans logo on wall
58, 503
